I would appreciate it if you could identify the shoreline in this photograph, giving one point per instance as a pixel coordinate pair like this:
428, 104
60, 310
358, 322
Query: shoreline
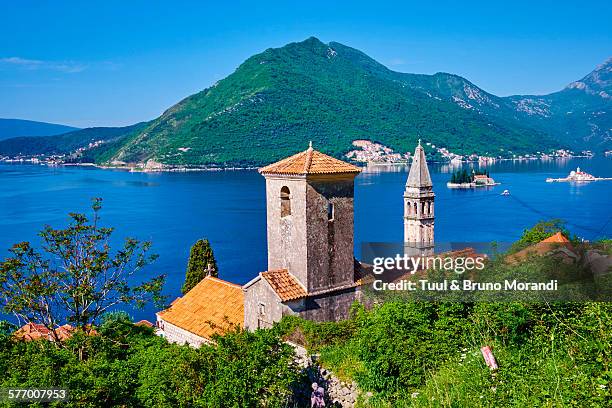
139, 169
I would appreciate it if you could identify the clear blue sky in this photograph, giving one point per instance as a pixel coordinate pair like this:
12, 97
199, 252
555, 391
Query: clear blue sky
120, 62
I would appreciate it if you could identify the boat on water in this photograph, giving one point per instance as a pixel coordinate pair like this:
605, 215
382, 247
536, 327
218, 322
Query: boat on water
578, 176
505, 193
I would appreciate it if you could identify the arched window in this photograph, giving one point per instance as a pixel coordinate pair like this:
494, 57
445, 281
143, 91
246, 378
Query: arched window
285, 201
415, 209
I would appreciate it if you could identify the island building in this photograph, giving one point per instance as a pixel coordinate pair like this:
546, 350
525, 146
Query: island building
483, 179
312, 271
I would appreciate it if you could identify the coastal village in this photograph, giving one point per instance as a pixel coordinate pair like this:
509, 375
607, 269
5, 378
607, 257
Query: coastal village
364, 151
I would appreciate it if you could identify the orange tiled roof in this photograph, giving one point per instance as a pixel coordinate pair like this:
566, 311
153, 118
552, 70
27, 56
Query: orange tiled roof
558, 237
543, 247
145, 323
32, 331
309, 161
284, 284
209, 308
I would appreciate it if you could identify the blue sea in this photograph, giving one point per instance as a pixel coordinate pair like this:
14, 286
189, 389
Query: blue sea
173, 210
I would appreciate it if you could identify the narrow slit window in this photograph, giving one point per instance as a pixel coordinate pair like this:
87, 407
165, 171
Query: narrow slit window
330, 211
285, 197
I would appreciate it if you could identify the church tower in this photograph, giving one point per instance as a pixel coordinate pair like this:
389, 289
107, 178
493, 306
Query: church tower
309, 200
419, 205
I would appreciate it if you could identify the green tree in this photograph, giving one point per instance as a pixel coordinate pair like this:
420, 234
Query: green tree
543, 230
77, 277
201, 261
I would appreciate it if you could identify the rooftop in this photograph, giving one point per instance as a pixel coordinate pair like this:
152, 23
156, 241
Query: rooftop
310, 161
210, 307
558, 237
419, 173
284, 284
557, 244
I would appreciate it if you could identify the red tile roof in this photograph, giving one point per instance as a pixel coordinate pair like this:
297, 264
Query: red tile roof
286, 286
145, 323
558, 237
310, 161
32, 331
209, 308
546, 246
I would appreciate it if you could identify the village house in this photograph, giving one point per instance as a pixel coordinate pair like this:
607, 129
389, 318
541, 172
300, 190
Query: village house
312, 271
36, 331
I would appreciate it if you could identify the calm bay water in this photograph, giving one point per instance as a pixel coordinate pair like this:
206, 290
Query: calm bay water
228, 207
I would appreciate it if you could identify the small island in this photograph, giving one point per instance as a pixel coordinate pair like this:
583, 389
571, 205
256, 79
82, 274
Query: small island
465, 179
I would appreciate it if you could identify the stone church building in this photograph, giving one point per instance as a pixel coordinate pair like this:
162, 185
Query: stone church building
312, 271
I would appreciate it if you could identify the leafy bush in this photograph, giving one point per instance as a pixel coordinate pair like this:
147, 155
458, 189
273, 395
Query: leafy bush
126, 365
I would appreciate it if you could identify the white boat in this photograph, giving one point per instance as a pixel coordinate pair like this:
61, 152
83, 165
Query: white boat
505, 192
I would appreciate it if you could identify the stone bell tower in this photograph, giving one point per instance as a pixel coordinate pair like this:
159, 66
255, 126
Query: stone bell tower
419, 205
309, 201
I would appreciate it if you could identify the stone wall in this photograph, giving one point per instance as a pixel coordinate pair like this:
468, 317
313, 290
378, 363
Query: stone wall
175, 334
332, 306
258, 293
337, 393
330, 241
287, 244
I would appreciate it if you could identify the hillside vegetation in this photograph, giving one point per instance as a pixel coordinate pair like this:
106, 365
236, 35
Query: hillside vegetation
277, 101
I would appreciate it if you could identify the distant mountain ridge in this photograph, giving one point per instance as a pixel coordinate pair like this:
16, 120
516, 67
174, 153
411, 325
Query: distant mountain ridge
19, 127
278, 100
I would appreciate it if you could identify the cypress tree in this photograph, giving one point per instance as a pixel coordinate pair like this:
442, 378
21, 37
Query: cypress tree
200, 258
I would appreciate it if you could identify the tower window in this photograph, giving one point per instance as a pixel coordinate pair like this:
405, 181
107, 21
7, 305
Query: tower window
330, 211
285, 201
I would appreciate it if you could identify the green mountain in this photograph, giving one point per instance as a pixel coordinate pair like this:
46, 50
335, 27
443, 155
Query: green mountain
18, 127
579, 114
278, 100
94, 143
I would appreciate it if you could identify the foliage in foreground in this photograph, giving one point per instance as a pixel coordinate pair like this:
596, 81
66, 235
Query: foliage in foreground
128, 365
77, 277
427, 354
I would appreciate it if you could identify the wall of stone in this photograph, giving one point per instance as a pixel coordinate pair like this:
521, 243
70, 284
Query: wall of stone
175, 334
330, 242
337, 393
287, 235
261, 292
328, 307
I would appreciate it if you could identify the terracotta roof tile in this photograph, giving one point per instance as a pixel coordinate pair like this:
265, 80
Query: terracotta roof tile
284, 284
209, 308
32, 331
310, 161
556, 243
558, 237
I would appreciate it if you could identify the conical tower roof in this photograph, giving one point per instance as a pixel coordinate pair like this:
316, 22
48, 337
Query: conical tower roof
419, 173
